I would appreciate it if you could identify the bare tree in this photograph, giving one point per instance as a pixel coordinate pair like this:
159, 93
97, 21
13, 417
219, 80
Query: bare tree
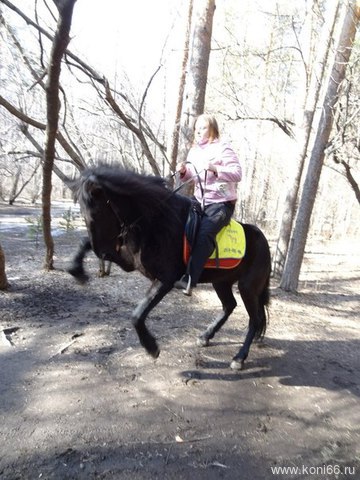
173, 146
251, 81
344, 148
314, 76
20, 183
130, 117
290, 277
3, 279
26, 120
60, 43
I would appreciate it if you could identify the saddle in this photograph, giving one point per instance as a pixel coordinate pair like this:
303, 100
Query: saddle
230, 242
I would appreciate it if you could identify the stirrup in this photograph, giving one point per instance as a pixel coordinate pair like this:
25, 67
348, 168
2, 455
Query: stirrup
184, 285
188, 291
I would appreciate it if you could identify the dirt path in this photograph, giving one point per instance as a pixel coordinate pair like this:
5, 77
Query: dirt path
80, 399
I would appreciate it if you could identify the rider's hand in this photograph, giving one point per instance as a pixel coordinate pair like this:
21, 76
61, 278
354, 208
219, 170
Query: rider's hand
211, 168
181, 168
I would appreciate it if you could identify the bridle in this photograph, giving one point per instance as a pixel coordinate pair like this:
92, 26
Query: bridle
124, 228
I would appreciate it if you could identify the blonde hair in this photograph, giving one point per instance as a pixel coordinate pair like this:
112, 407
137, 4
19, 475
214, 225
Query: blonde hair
212, 124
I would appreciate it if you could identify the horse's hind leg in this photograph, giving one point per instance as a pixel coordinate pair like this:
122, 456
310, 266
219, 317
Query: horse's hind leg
224, 292
257, 323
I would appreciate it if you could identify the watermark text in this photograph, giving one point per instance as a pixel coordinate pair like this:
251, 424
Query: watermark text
324, 470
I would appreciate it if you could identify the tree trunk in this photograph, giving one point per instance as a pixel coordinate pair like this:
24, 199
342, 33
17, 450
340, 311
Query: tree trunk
15, 185
61, 40
3, 279
196, 79
290, 277
174, 137
303, 136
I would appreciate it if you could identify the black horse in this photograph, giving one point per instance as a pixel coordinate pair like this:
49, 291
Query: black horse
137, 222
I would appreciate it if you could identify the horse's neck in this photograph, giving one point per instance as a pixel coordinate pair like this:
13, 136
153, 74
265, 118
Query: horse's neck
140, 227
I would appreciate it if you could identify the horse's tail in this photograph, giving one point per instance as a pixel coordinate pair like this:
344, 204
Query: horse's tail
264, 300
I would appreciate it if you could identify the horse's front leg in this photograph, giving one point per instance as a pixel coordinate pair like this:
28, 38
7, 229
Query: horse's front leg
77, 264
153, 296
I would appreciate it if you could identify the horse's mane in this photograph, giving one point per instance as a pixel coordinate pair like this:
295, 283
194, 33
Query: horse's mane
149, 195
129, 183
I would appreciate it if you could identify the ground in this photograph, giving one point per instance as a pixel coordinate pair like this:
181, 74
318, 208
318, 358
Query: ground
81, 399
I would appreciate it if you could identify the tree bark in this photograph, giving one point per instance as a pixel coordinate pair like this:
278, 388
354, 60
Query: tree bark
196, 79
3, 279
14, 188
290, 277
60, 43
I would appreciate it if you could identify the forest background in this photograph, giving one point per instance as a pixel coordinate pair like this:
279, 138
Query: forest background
125, 92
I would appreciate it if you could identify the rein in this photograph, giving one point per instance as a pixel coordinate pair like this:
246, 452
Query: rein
197, 175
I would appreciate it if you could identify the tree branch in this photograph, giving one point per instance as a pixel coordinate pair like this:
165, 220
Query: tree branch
97, 78
130, 125
50, 37
285, 125
77, 159
349, 176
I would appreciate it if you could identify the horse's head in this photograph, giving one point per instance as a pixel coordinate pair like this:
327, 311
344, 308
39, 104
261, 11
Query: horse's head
104, 223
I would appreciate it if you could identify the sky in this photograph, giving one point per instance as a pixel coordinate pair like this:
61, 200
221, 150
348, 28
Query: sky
116, 35
124, 33
131, 34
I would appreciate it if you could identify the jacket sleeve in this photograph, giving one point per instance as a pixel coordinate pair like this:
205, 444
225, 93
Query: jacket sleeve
229, 169
190, 172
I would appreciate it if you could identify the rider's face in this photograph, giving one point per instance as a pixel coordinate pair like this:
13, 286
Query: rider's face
201, 130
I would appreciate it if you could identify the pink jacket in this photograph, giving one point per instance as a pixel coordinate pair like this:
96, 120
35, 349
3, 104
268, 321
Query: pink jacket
217, 188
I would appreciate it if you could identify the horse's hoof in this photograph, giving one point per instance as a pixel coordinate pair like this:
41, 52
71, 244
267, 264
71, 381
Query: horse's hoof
202, 342
155, 353
237, 364
80, 277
